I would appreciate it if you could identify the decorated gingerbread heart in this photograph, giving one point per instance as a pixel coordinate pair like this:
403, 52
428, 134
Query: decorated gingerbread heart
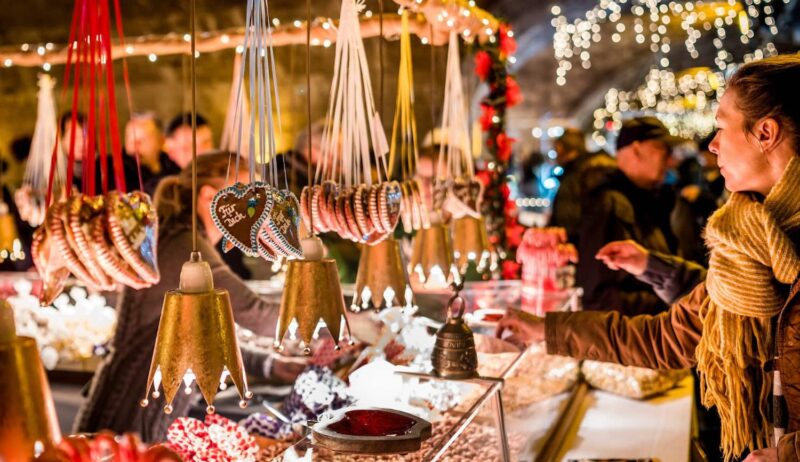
390, 201
239, 211
282, 228
133, 228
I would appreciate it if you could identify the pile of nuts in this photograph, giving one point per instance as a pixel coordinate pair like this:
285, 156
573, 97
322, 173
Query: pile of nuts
479, 441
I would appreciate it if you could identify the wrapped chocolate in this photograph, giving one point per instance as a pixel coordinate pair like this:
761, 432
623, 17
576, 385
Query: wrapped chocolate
316, 392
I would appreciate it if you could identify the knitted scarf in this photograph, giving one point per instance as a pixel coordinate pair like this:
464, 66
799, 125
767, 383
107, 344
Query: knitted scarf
752, 262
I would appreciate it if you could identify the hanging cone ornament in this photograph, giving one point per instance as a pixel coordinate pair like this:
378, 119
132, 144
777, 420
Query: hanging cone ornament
457, 193
470, 243
30, 197
196, 340
311, 294
432, 258
382, 280
29, 422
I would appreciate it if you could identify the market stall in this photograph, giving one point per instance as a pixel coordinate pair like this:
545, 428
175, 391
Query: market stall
133, 338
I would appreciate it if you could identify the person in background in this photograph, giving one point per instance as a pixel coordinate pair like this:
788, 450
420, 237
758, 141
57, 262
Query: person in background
143, 137
630, 203
79, 183
580, 170
65, 142
695, 202
120, 381
178, 144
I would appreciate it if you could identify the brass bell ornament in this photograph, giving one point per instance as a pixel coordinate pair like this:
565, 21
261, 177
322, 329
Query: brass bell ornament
29, 422
312, 297
454, 355
382, 280
196, 340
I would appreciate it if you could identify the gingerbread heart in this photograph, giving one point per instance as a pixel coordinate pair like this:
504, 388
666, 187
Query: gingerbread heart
239, 211
133, 228
284, 221
267, 249
361, 208
80, 210
56, 230
390, 201
109, 259
49, 265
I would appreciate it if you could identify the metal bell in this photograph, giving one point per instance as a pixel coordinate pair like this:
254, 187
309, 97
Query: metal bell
454, 355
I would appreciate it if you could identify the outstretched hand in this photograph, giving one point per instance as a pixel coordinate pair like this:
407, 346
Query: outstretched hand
624, 255
526, 327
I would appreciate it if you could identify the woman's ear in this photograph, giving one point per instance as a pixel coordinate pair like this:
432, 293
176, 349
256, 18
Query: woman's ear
768, 134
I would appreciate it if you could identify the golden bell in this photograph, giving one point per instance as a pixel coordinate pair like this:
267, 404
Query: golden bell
311, 293
382, 280
454, 355
432, 257
470, 243
29, 422
196, 340
10, 246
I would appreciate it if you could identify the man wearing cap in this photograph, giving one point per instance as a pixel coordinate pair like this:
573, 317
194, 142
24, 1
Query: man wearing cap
629, 204
580, 169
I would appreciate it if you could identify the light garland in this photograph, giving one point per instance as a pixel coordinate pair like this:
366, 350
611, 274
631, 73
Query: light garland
686, 101
654, 21
432, 25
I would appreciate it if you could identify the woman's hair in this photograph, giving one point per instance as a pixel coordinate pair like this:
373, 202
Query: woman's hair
173, 197
767, 88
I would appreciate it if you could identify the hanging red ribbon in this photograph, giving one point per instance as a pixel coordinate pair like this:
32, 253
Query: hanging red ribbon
90, 71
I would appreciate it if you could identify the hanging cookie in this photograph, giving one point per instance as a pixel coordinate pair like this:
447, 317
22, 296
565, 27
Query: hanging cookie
239, 211
133, 228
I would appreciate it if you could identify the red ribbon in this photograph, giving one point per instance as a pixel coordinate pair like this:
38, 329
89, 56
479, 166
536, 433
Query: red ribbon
90, 71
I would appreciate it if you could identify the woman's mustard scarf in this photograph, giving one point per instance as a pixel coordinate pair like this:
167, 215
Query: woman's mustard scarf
752, 261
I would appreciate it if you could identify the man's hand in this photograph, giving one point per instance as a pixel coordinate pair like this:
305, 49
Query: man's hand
526, 327
763, 455
624, 255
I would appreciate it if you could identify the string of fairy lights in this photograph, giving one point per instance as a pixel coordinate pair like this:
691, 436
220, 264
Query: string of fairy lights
657, 22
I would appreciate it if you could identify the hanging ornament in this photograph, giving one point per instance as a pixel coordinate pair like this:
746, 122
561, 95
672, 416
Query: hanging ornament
404, 138
196, 339
30, 197
382, 280
455, 180
259, 217
345, 197
101, 237
29, 418
457, 191
312, 296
